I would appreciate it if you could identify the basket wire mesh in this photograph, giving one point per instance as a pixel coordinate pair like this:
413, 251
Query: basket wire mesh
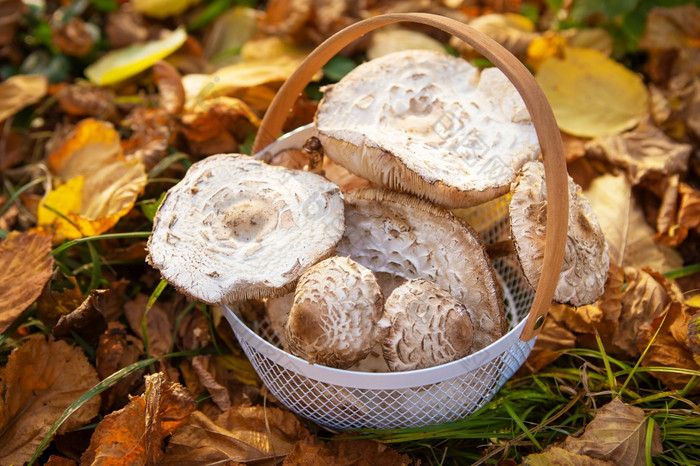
341, 399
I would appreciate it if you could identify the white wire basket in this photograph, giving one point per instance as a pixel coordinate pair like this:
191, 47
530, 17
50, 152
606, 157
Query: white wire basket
342, 399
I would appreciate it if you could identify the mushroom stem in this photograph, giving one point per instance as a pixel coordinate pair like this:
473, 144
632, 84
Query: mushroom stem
314, 151
500, 249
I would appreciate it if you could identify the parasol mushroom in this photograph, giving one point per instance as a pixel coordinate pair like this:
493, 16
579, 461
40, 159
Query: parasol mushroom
235, 228
429, 124
336, 316
586, 260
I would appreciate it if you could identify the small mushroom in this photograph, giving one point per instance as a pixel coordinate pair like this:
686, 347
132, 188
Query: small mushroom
336, 316
235, 228
586, 260
429, 327
406, 238
429, 124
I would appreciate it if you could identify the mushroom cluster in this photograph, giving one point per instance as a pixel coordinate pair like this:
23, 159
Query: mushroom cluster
384, 278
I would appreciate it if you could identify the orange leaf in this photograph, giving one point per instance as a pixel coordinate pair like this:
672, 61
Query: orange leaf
41, 379
91, 145
26, 255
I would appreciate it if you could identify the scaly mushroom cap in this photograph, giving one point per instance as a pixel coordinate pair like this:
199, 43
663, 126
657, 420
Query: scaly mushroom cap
429, 124
586, 259
408, 238
335, 318
429, 327
235, 228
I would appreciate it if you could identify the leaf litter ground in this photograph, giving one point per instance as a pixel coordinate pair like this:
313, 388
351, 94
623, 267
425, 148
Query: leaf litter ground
101, 362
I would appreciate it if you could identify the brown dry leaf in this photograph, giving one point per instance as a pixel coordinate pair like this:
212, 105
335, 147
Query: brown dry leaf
55, 460
125, 27
395, 39
72, 37
643, 152
678, 217
86, 100
20, 91
117, 349
676, 109
134, 434
671, 348
694, 333
169, 82
10, 14
41, 379
556, 456
554, 337
241, 434
286, 17
160, 323
151, 132
514, 32
26, 255
313, 452
676, 29
630, 239
618, 434
61, 298
88, 320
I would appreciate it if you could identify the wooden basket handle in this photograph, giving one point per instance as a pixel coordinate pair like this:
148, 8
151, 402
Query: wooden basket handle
535, 100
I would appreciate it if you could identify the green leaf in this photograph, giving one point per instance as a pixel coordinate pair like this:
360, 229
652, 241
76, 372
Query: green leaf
150, 206
337, 67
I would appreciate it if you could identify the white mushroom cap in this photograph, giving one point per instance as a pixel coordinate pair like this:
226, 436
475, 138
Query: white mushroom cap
429, 124
405, 237
235, 228
429, 327
335, 318
586, 259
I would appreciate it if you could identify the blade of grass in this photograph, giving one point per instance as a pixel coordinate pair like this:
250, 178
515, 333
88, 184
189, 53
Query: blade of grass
70, 244
102, 386
509, 409
683, 271
639, 360
606, 362
647, 441
16, 194
96, 273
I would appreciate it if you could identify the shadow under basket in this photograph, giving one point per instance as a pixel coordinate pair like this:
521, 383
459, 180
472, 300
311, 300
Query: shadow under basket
342, 399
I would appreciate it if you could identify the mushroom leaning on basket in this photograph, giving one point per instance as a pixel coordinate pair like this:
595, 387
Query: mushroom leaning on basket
586, 260
429, 124
235, 228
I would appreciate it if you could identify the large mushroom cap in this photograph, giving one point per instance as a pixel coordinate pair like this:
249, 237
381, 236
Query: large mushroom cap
429, 124
586, 259
235, 228
335, 318
401, 235
429, 327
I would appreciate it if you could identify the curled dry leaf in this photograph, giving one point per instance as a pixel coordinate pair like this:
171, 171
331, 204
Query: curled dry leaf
90, 145
286, 17
152, 130
86, 100
26, 255
160, 323
73, 37
694, 335
554, 337
557, 456
20, 91
591, 94
241, 434
671, 347
642, 153
134, 434
514, 32
88, 320
169, 82
41, 379
314, 452
117, 349
682, 216
618, 434
125, 27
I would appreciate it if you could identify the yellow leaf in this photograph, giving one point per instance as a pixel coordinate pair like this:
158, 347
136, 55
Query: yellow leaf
541, 48
120, 64
694, 301
592, 95
20, 91
93, 143
162, 8
386, 41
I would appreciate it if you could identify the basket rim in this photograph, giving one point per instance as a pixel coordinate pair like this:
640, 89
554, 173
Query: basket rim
373, 380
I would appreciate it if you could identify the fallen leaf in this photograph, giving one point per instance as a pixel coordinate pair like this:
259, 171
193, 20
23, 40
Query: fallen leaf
86, 100
285, 17
169, 82
678, 217
630, 239
694, 331
160, 323
676, 108
20, 91
61, 296
125, 27
26, 255
514, 32
553, 338
87, 320
41, 379
556, 456
592, 95
117, 65
671, 348
618, 434
240, 434
676, 28
642, 153
73, 37
134, 434
10, 14
385, 41
218, 392
152, 130
117, 349
162, 8
89, 146
313, 452
228, 34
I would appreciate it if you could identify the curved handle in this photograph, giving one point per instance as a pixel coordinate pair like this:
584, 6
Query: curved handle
535, 100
